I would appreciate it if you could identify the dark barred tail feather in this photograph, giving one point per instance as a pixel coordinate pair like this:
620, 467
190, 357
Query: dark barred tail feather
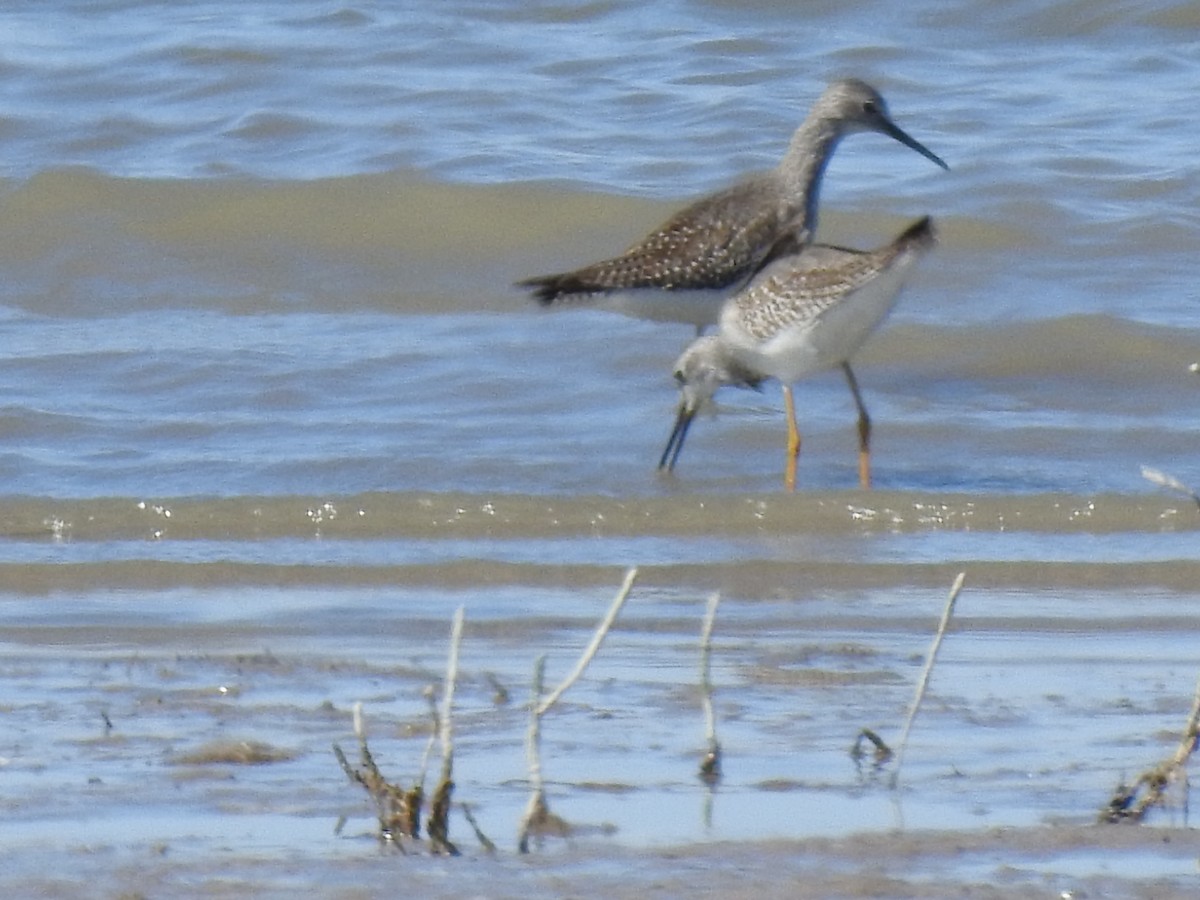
546, 289
921, 233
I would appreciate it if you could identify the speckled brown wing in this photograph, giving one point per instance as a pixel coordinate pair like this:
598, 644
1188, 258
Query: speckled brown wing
785, 296
712, 244
795, 289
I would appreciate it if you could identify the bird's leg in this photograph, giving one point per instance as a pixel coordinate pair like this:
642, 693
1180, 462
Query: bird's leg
864, 430
793, 439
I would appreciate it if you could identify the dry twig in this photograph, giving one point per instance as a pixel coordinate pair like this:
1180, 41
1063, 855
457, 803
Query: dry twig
1170, 482
536, 810
537, 817
710, 768
955, 589
597, 639
483, 839
398, 810
1131, 803
438, 825
882, 751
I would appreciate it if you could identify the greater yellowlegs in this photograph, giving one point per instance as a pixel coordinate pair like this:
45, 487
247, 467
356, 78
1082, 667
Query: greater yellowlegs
809, 308
686, 268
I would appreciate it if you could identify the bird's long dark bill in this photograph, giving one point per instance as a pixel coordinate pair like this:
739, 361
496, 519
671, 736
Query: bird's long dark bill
683, 422
895, 131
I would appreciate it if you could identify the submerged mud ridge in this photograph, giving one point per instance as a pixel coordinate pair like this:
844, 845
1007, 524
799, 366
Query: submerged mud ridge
997, 863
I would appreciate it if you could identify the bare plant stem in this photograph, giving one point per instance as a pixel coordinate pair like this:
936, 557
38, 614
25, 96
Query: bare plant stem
447, 729
438, 825
710, 768
923, 683
1191, 732
1170, 482
399, 811
882, 751
537, 812
594, 646
483, 839
435, 730
1126, 804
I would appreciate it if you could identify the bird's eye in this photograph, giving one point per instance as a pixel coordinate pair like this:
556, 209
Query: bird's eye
679, 377
870, 107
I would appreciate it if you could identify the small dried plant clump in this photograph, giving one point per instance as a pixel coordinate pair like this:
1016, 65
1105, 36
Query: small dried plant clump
881, 753
399, 810
1133, 802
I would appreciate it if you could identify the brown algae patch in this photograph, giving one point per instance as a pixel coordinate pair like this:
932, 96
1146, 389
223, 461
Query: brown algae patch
236, 753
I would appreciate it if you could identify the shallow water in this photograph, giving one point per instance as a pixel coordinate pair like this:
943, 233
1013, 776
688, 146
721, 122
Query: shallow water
145, 643
272, 411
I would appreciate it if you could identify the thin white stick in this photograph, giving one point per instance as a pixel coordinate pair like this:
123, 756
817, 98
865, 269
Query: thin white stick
597, 640
1191, 731
1170, 482
533, 738
533, 753
539, 707
434, 732
710, 716
925, 673
447, 730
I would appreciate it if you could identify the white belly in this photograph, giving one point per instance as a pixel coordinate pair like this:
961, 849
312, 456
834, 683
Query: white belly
700, 308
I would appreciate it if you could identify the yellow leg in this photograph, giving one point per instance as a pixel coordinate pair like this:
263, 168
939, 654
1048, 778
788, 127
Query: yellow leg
864, 430
793, 440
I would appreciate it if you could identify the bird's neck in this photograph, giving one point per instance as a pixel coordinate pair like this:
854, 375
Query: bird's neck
803, 167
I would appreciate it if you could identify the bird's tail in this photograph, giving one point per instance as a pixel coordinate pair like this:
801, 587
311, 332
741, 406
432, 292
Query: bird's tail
548, 289
919, 234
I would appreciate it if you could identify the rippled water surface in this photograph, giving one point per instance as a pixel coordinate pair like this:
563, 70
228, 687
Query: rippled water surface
271, 410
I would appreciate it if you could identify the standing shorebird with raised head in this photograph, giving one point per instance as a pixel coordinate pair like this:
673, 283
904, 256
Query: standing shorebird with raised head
685, 269
808, 309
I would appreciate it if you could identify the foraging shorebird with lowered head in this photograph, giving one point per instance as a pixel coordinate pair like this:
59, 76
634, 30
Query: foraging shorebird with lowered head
808, 309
